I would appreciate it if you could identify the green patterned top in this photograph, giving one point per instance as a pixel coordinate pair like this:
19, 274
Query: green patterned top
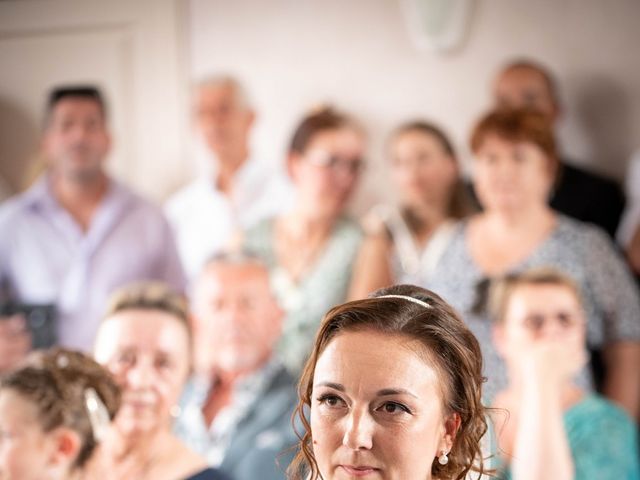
324, 285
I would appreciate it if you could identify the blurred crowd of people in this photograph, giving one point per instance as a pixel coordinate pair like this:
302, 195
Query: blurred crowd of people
196, 318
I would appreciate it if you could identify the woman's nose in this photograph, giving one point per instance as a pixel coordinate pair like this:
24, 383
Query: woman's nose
553, 329
140, 375
359, 431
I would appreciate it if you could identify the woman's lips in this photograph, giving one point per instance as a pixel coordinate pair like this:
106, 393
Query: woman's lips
359, 470
138, 406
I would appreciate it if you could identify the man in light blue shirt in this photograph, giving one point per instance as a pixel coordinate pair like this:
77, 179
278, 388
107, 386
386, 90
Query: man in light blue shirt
237, 409
77, 234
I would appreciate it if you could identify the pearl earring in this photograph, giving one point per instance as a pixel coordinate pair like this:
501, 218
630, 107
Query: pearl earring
443, 459
175, 411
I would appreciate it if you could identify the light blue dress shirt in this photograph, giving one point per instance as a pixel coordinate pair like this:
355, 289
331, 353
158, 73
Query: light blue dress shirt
46, 258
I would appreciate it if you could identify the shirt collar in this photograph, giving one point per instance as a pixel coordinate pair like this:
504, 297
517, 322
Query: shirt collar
251, 384
40, 195
248, 173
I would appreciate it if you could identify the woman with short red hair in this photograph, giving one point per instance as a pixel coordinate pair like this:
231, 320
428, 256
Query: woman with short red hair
515, 169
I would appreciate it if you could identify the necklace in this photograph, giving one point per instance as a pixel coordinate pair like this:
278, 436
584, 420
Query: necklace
297, 250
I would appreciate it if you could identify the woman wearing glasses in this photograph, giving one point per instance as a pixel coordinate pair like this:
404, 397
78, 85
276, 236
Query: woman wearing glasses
311, 249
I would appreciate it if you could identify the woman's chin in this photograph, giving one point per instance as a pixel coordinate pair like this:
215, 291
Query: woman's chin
134, 425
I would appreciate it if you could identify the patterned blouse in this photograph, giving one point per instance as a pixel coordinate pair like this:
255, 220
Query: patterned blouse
305, 302
582, 251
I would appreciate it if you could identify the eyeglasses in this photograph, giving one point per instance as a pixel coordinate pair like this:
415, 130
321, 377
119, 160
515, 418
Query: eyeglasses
335, 163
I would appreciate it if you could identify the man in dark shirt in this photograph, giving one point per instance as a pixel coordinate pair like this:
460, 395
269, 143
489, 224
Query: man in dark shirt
579, 193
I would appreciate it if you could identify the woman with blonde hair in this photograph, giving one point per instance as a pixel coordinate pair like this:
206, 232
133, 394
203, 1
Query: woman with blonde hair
145, 342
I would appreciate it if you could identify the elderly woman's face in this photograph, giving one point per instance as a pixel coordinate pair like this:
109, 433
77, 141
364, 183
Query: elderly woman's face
511, 176
327, 173
377, 409
147, 351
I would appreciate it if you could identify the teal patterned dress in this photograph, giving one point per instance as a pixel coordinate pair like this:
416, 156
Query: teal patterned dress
324, 285
603, 441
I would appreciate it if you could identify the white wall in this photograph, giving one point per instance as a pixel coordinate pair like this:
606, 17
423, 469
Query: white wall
132, 49
357, 54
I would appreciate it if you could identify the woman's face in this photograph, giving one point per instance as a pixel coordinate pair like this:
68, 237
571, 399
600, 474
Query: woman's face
24, 448
539, 313
327, 172
511, 177
377, 409
147, 351
422, 170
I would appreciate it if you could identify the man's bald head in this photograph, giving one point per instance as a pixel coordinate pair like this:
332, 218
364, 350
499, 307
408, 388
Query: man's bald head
527, 84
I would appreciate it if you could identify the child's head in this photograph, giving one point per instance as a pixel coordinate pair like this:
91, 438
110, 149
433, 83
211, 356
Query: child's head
536, 305
50, 414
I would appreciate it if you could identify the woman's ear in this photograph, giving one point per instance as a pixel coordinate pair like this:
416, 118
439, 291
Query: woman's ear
65, 446
451, 427
293, 160
499, 340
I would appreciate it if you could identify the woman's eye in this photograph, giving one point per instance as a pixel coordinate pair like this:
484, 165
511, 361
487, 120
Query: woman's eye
489, 159
393, 407
535, 322
163, 362
331, 401
565, 319
125, 358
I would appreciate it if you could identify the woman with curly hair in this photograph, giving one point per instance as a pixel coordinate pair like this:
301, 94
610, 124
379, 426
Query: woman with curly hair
391, 390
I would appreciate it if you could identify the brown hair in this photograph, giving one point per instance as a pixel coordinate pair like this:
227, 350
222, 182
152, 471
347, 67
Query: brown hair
55, 381
517, 125
460, 204
448, 342
501, 291
323, 119
151, 296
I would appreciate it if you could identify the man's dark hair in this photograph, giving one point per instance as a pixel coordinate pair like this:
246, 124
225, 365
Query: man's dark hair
87, 92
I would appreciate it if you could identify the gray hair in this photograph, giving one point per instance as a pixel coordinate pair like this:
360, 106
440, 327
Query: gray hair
224, 80
233, 258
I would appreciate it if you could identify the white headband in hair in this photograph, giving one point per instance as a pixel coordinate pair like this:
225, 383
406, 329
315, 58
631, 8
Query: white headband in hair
407, 297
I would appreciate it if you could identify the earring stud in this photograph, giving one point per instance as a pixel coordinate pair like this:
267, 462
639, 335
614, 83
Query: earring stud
443, 459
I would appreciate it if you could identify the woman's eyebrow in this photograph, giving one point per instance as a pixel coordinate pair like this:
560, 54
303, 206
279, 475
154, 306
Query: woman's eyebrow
335, 386
394, 391
385, 392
